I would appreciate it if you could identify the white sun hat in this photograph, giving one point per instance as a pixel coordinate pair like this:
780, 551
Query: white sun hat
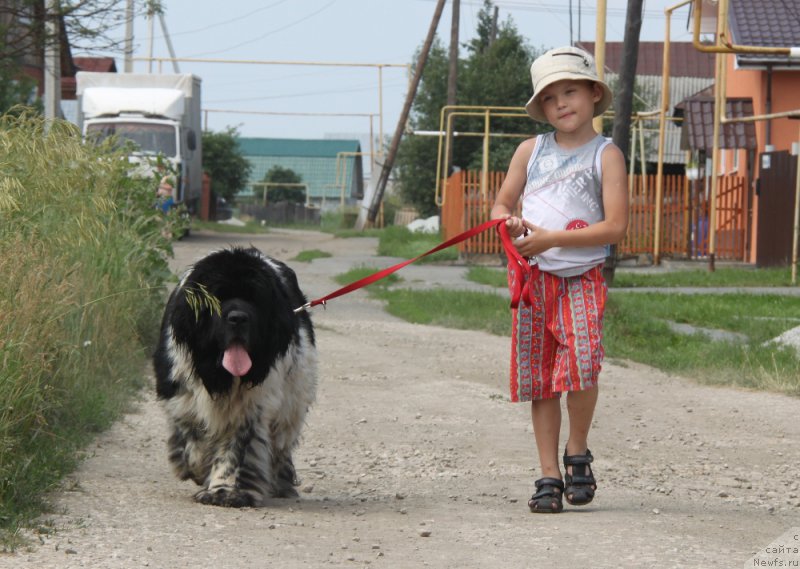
559, 64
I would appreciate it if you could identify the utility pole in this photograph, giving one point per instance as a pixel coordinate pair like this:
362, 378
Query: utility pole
128, 36
52, 61
623, 98
374, 195
623, 101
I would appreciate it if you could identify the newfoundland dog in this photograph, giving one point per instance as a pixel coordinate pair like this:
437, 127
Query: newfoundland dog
236, 370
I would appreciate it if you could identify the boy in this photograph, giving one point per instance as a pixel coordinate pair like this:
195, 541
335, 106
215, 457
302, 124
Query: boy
573, 187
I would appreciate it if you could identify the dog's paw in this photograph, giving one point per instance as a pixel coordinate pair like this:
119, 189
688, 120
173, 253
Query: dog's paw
225, 496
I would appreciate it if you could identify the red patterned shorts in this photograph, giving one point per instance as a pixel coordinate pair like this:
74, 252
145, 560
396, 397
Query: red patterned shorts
556, 344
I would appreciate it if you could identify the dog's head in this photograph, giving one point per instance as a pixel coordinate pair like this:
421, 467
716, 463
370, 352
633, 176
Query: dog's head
234, 314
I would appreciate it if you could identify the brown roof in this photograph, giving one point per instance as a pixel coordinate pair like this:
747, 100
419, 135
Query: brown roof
685, 60
773, 23
101, 64
698, 124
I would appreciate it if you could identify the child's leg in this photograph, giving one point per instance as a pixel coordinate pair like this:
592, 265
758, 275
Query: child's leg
580, 407
546, 415
578, 476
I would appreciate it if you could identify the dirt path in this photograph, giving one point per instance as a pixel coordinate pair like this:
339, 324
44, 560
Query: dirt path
414, 458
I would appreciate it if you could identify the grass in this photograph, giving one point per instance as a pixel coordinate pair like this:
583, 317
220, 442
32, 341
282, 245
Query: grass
636, 327
723, 277
364, 271
82, 271
310, 254
398, 241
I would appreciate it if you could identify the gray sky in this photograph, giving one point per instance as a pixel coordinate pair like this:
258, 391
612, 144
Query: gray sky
346, 31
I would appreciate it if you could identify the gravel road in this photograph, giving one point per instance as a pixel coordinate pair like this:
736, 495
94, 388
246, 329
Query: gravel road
413, 457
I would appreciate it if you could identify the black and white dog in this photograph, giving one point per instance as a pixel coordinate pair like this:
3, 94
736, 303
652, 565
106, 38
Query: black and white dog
236, 370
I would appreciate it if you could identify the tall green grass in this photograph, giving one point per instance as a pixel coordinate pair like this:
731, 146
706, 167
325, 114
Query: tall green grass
82, 266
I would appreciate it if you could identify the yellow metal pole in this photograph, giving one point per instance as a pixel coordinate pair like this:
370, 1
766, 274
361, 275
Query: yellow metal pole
643, 158
662, 132
380, 112
632, 159
719, 106
722, 45
662, 135
485, 161
600, 53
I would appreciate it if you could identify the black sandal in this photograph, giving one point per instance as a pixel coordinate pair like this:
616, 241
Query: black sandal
547, 499
580, 485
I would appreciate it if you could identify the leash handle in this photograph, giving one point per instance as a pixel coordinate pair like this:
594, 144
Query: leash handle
517, 263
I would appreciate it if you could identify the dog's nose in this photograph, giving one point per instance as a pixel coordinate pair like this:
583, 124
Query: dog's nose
237, 317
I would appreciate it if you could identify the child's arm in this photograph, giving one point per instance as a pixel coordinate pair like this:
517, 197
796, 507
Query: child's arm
611, 230
511, 190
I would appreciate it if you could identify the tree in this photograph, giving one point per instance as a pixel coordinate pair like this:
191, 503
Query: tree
88, 24
493, 73
279, 174
224, 162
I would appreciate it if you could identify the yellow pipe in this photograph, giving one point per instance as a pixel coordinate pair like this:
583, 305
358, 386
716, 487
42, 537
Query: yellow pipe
445, 121
722, 45
662, 125
631, 172
485, 161
719, 112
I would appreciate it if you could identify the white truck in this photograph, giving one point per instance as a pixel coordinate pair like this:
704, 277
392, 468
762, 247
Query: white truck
160, 114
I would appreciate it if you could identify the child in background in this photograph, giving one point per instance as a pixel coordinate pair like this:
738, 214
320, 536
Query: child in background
573, 187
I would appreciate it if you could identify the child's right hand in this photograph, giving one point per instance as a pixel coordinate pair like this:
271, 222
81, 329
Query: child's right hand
515, 226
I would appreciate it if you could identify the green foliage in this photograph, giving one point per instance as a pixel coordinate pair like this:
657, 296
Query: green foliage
16, 92
488, 276
363, 271
82, 271
636, 329
725, 276
399, 241
223, 161
493, 73
291, 193
310, 254
462, 310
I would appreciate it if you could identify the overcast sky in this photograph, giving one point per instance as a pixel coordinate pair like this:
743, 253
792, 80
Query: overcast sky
344, 31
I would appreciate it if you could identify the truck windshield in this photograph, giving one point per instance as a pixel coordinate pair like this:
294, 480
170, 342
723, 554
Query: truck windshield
148, 138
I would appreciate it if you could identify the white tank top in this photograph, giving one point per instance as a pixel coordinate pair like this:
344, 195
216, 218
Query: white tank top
564, 191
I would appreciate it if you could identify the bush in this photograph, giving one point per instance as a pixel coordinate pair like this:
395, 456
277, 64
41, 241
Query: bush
82, 268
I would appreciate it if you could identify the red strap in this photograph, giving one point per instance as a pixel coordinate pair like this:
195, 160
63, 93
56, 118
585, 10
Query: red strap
523, 273
516, 262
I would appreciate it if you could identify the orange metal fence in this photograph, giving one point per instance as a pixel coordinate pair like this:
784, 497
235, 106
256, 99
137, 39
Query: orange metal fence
684, 216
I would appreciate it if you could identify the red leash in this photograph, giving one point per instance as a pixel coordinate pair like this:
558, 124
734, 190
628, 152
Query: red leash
517, 264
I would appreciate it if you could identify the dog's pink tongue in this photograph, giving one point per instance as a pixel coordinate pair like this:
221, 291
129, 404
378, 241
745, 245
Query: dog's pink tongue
236, 361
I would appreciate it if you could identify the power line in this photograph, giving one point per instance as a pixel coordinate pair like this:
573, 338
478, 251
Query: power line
269, 33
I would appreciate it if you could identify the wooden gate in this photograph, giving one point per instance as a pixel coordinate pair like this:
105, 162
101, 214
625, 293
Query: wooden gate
776, 188
684, 216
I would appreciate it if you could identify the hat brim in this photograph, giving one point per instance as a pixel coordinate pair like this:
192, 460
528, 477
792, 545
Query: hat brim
534, 109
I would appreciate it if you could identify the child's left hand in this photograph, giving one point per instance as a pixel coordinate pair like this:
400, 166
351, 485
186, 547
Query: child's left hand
536, 241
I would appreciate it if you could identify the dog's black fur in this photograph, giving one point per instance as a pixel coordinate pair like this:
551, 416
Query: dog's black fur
236, 376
